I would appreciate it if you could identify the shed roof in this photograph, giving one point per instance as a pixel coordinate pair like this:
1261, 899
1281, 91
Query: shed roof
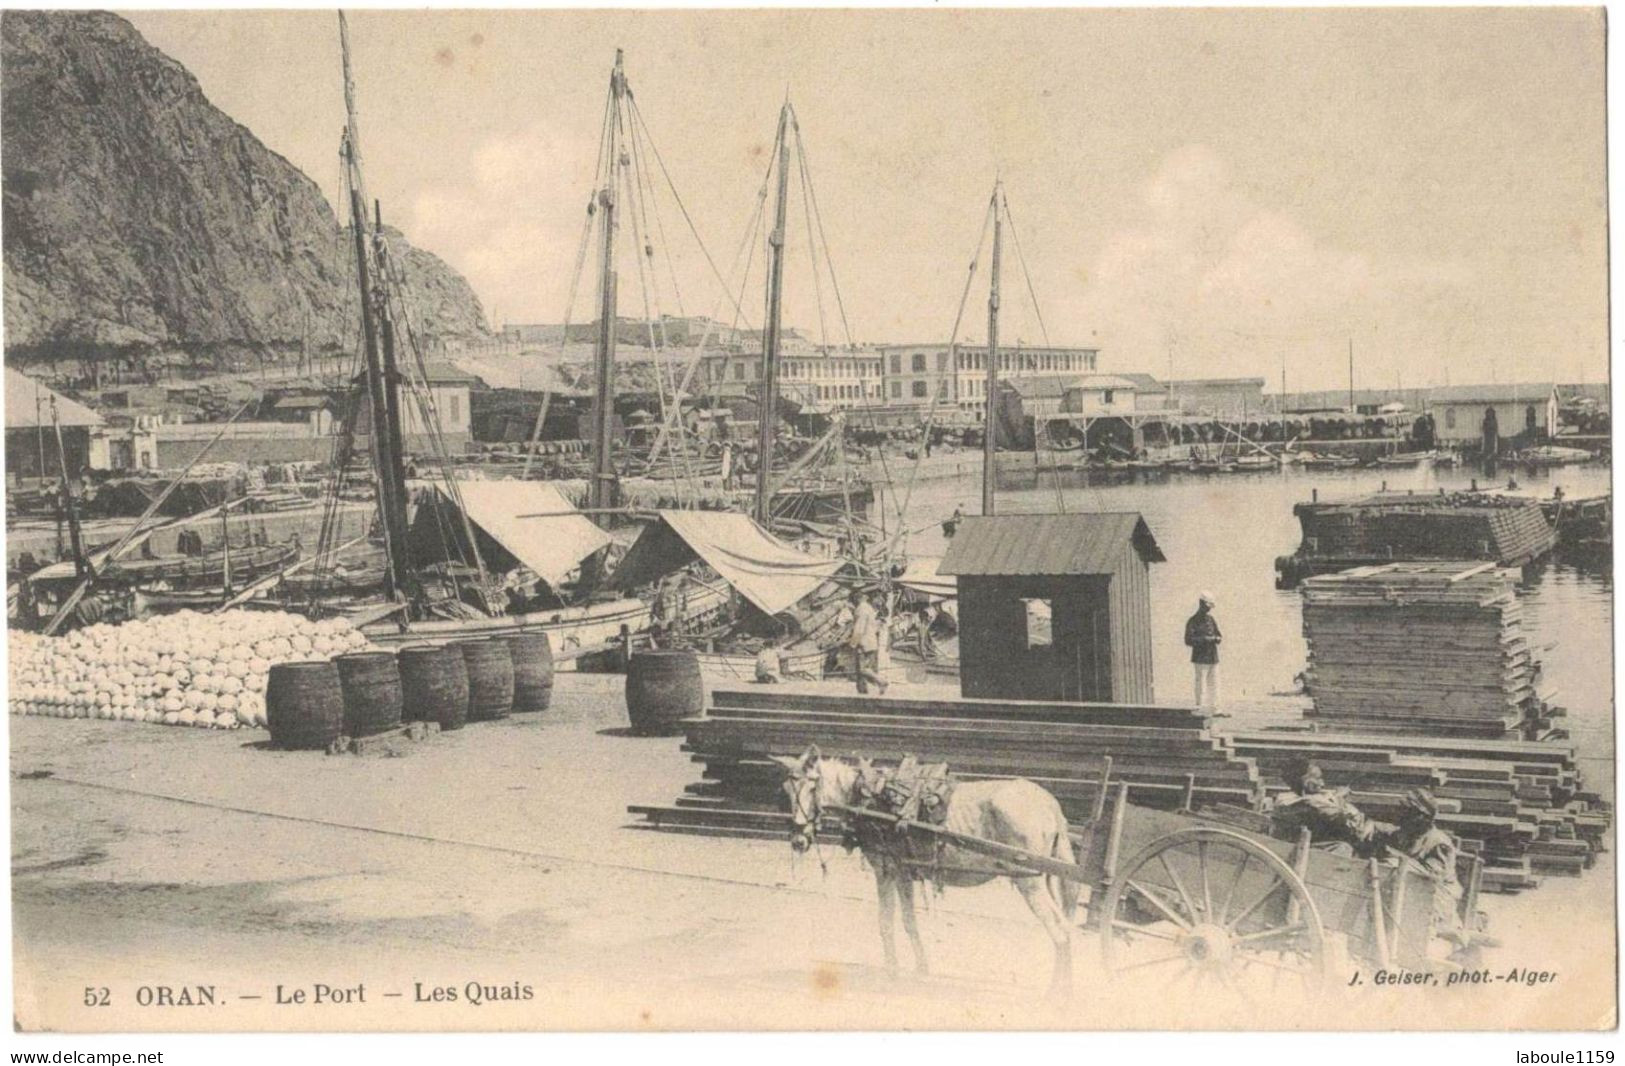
1058, 544
439, 373
28, 404
1122, 382
1145, 382
1029, 386
436, 373
1510, 393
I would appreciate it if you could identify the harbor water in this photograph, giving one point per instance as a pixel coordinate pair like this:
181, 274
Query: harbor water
1222, 534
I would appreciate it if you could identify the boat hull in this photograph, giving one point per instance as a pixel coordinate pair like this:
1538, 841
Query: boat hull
203, 571
566, 628
795, 662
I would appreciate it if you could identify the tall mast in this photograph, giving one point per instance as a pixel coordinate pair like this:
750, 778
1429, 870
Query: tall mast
392, 374
990, 429
602, 494
387, 462
770, 336
1280, 408
39, 434
81, 565
352, 120
1351, 375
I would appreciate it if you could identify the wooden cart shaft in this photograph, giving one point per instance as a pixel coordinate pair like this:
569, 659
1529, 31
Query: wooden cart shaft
1341, 887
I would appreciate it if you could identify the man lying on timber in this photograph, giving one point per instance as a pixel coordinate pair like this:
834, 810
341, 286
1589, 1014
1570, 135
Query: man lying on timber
1334, 823
1337, 825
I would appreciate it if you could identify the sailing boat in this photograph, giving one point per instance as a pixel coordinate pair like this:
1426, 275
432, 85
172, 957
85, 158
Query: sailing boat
783, 590
934, 597
528, 524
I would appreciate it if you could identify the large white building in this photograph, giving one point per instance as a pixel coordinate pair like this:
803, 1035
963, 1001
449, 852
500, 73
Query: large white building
816, 378
956, 375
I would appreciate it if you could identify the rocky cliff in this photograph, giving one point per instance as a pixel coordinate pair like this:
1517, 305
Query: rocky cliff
142, 222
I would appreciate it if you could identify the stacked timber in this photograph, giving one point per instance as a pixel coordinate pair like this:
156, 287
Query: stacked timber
1167, 756
1396, 527
1430, 648
1520, 806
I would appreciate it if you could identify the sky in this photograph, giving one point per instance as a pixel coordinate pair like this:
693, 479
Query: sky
1196, 193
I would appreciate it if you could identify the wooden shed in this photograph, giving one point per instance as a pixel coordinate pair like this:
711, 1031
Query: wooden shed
1054, 606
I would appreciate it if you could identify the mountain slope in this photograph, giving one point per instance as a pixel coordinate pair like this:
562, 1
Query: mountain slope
140, 220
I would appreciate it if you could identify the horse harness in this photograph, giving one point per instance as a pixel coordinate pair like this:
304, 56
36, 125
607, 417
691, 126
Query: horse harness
913, 793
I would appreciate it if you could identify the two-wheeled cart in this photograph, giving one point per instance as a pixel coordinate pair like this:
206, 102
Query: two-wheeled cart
1209, 893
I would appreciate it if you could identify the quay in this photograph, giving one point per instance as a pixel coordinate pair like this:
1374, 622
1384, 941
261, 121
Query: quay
544, 879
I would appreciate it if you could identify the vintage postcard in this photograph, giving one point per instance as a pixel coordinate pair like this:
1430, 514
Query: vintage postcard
809, 519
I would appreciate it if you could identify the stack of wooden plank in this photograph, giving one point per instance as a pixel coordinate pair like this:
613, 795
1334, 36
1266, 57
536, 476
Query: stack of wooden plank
1166, 755
1521, 806
1433, 648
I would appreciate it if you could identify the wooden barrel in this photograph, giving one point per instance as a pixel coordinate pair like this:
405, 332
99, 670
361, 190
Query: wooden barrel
304, 705
532, 655
372, 692
490, 678
434, 685
663, 688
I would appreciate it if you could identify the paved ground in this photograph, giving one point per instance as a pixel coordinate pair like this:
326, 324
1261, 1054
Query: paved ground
501, 857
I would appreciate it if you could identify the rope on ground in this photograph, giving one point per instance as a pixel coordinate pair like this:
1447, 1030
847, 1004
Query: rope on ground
426, 838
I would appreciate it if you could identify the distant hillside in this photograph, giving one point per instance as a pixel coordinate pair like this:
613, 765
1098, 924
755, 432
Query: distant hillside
141, 221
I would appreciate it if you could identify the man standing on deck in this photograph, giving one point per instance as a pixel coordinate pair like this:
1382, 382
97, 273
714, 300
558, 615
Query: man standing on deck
864, 640
728, 479
1202, 636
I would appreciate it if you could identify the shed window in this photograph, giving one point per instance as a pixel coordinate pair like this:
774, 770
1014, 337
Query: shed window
1106, 396
919, 388
919, 362
1039, 630
1450, 418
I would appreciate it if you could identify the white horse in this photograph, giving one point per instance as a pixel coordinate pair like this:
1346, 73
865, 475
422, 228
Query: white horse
1014, 812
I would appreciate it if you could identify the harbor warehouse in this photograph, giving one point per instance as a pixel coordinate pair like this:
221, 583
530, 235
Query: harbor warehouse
1054, 607
1461, 413
33, 416
447, 388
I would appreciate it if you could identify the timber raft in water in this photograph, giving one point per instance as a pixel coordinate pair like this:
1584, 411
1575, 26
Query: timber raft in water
1402, 527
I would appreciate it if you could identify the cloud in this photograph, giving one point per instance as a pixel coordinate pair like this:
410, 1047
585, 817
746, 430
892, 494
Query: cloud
515, 246
1231, 286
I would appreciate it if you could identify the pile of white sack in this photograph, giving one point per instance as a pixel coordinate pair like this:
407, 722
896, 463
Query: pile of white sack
179, 669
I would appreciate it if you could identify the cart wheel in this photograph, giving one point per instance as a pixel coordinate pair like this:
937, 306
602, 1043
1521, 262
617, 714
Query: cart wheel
1209, 904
